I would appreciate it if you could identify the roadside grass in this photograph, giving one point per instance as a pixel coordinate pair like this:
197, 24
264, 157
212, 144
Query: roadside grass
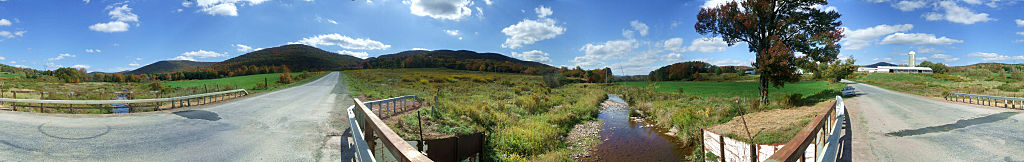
248, 82
936, 85
523, 119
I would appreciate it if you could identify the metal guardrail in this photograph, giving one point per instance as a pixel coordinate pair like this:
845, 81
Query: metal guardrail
1007, 102
368, 127
824, 131
391, 106
182, 101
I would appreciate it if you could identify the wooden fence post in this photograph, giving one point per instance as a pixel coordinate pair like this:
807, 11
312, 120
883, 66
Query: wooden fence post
721, 147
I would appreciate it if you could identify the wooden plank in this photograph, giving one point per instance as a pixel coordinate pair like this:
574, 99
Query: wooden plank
389, 138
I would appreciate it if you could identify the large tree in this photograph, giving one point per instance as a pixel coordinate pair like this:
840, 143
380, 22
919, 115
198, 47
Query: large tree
775, 30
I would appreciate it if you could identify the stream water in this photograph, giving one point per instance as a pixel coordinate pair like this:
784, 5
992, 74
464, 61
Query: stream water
628, 139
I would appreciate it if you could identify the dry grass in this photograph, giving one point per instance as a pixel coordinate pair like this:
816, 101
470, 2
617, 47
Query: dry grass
772, 126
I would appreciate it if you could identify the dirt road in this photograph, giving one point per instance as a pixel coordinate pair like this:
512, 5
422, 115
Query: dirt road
893, 126
286, 125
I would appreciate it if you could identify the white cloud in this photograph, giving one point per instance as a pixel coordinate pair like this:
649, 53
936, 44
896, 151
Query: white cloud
419, 49
110, 27
715, 3
86, 1
707, 45
342, 41
123, 14
825, 8
882, 59
973, 2
4, 58
133, 64
918, 39
92, 51
534, 55
907, 6
61, 56
184, 58
223, 9
543, 11
489, 2
957, 14
1020, 23
362, 55
325, 20
441, 9
530, 31
242, 48
627, 33
1020, 33
860, 38
595, 54
5, 22
639, 27
944, 57
452, 32
674, 44
8, 34
192, 55
81, 66
994, 56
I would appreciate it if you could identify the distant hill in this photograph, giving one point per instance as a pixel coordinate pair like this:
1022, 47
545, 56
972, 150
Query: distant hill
875, 65
461, 60
297, 57
170, 66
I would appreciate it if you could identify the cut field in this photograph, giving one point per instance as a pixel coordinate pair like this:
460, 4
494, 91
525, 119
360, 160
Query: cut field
247, 82
814, 90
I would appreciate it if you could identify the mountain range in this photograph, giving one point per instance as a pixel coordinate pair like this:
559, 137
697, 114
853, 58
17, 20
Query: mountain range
299, 57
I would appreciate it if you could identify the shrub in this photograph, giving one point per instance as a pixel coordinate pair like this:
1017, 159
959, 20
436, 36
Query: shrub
285, 78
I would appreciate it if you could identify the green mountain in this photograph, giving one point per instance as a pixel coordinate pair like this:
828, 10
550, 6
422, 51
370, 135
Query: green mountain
461, 60
170, 66
297, 57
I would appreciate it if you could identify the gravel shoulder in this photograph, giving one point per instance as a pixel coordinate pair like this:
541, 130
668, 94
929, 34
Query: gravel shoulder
286, 125
893, 126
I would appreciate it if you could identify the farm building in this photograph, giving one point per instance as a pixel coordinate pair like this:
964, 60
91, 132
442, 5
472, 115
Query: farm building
895, 69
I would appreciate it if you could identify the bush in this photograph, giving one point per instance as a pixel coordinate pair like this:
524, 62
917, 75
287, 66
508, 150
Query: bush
285, 78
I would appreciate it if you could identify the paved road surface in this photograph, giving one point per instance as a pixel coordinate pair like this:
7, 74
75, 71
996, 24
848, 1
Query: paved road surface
286, 125
893, 126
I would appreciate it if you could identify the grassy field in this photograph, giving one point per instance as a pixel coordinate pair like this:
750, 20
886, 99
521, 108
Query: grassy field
937, 84
523, 119
7, 75
247, 82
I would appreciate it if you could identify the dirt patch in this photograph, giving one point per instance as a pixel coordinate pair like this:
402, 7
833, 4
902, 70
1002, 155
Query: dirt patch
772, 121
584, 138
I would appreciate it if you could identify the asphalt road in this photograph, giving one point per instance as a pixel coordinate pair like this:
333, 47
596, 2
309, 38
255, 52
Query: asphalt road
287, 125
893, 126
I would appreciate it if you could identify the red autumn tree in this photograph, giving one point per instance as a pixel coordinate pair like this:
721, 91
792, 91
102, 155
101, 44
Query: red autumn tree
775, 30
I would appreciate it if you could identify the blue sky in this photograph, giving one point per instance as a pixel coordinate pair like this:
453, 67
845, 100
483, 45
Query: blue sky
629, 36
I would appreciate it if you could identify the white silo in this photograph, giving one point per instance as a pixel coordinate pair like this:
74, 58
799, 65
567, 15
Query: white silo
910, 62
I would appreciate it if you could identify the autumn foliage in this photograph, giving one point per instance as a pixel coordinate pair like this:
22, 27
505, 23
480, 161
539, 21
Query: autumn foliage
775, 30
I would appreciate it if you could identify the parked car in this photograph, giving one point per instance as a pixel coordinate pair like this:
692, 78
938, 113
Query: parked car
848, 91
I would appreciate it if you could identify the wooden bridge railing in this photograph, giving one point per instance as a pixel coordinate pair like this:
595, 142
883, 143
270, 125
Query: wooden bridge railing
368, 128
175, 102
824, 131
